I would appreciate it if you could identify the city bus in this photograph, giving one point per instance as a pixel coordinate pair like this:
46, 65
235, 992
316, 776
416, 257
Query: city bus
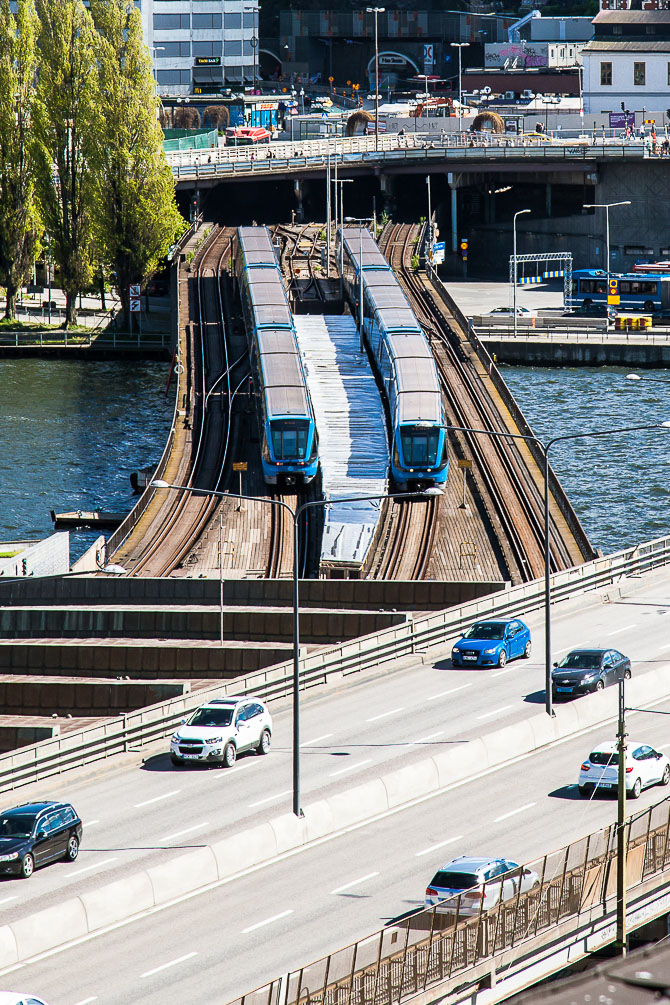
637, 292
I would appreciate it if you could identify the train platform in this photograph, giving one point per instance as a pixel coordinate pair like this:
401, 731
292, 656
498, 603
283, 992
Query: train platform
353, 444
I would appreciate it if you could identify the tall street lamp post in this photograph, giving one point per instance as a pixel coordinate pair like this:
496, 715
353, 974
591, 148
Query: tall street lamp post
518, 213
376, 11
341, 182
606, 206
295, 516
545, 447
459, 46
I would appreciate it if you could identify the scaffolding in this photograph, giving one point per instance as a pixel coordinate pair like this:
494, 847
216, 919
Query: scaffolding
564, 260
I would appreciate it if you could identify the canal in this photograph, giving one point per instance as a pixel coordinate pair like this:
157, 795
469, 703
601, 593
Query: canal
72, 431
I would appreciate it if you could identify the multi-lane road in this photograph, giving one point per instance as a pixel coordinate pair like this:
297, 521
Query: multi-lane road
243, 931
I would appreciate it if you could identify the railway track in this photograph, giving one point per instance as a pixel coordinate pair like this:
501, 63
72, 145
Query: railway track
507, 478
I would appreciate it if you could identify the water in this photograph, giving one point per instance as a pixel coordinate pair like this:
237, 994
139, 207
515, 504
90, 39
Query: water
617, 484
71, 431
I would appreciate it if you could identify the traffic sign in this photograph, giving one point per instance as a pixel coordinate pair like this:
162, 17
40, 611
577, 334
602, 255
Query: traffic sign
464, 245
134, 289
464, 463
135, 305
438, 252
616, 299
240, 466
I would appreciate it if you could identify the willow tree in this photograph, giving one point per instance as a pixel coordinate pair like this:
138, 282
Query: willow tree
65, 130
18, 210
136, 215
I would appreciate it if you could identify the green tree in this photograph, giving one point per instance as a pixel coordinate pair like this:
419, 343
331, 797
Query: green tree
136, 216
19, 225
65, 129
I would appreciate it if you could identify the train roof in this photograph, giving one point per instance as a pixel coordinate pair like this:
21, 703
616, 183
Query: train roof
419, 406
254, 238
380, 279
260, 257
409, 345
275, 340
284, 383
399, 319
417, 375
384, 297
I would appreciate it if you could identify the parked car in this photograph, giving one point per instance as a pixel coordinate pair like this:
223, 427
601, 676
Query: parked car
644, 766
492, 643
19, 998
522, 312
34, 834
220, 730
481, 884
585, 670
588, 311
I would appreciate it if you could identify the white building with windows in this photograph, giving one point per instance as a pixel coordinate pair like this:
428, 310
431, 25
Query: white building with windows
628, 61
199, 46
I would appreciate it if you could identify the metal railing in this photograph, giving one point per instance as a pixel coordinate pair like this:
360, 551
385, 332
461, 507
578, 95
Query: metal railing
54, 338
568, 333
103, 739
436, 945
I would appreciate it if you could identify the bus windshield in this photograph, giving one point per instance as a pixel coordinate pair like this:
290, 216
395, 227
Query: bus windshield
419, 446
289, 439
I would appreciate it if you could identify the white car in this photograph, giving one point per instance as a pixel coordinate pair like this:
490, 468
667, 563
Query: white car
481, 883
220, 730
521, 312
644, 766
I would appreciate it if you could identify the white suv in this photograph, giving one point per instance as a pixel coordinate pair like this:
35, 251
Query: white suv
218, 731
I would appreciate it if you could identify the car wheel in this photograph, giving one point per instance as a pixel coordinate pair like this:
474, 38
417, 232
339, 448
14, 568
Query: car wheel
626, 674
502, 659
454, 663
264, 743
27, 866
528, 650
72, 848
665, 777
649, 306
178, 763
636, 790
229, 755
587, 302
600, 685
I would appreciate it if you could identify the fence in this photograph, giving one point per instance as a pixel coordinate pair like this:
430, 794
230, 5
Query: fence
83, 746
569, 333
433, 946
59, 339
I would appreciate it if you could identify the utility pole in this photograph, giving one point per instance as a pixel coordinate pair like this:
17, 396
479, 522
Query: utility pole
621, 849
328, 213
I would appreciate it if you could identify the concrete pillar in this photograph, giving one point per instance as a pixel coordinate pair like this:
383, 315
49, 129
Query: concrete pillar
387, 191
454, 219
547, 194
297, 191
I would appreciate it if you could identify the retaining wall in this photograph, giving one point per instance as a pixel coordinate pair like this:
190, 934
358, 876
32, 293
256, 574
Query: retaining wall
44, 696
573, 353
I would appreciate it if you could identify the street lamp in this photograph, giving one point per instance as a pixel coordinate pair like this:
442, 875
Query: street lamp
606, 206
341, 182
459, 46
302, 100
254, 45
154, 50
518, 213
158, 483
376, 11
545, 447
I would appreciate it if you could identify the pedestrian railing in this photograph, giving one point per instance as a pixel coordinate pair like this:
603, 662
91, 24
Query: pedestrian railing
103, 739
565, 333
55, 338
434, 946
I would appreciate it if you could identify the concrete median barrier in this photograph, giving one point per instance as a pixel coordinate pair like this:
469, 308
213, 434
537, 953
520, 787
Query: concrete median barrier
222, 860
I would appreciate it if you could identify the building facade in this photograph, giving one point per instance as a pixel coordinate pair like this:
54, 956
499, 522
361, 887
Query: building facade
627, 63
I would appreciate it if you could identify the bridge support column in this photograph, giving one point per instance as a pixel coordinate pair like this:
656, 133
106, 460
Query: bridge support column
547, 198
387, 190
297, 191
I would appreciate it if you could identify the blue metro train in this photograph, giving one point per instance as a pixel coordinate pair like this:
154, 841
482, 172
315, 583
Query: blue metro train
289, 441
405, 365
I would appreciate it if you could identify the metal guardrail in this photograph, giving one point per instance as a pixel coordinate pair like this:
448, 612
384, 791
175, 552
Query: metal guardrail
53, 338
432, 947
561, 333
100, 740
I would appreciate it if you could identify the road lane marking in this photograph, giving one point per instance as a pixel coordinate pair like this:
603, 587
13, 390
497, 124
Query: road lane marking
172, 963
317, 739
440, 844
496, 711
91, 823
619, 630
350, 767
501, 672
452, 690
268, 799
424, 739
87, 868
520, 809
354, 882
383, 715
268, 921
87, 1001
157, 799
7, 900
195, 827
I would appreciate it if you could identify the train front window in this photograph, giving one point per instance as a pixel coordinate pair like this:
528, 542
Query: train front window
289, 439
419, 446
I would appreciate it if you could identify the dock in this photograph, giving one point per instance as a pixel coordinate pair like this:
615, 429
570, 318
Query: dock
94, 519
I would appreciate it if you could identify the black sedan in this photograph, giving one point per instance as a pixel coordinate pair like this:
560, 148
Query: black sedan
585, 670
34, 834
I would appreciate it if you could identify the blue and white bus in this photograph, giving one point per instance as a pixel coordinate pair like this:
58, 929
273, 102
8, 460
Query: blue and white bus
637, 292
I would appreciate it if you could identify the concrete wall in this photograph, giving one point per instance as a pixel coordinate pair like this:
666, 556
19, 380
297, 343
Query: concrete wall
13, 737
22, 696
520, 353
50, 557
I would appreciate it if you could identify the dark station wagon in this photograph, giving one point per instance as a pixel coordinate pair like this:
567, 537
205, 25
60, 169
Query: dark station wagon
34, 834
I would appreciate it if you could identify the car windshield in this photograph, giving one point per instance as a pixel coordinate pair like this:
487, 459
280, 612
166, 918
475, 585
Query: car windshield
455, 880
486, 630
604, 757
580, 661
17, 825
212, 717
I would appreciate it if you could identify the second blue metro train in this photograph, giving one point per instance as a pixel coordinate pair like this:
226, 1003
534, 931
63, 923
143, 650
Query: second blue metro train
405, 364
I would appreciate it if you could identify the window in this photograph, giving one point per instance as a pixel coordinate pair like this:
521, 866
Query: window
644, 753
207, 48
233, 48
170, 50
173, 76
206, 21
170, 22
639, 74
606, 74
233, 21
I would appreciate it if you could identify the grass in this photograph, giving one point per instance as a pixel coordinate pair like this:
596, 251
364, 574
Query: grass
12, 325
10, 554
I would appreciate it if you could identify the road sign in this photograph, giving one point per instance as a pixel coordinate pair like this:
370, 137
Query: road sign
240, 466
614, 300
428, 52
134, 289
438, 252
464, 463
135, 305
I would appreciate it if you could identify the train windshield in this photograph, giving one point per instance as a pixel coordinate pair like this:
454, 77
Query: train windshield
419, 446
289, 439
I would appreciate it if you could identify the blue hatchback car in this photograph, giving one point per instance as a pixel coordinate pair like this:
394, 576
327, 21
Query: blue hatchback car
492, 643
